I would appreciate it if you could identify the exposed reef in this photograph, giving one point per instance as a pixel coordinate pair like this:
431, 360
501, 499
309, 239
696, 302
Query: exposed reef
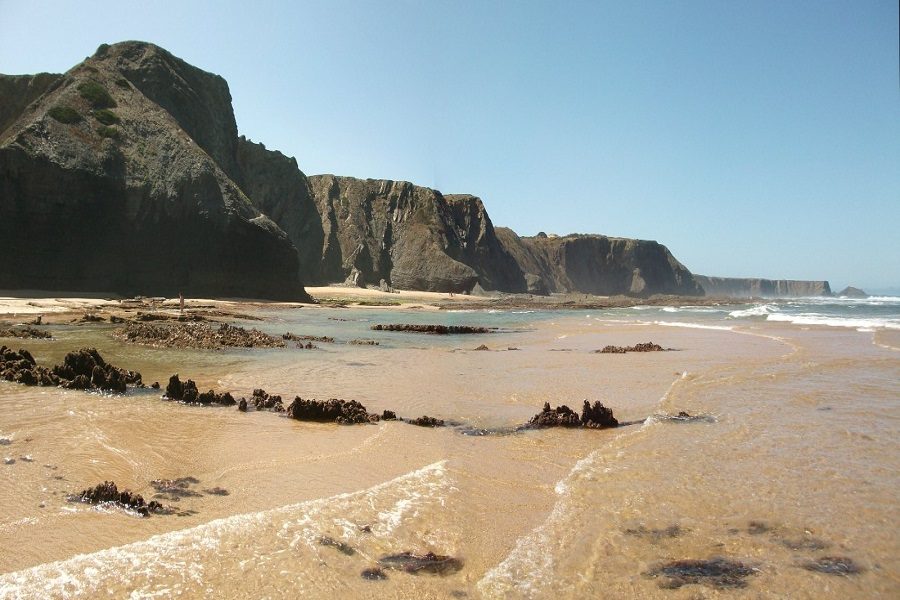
196, 335
644, 347
438, 329
84, 369
593, 416
108, 493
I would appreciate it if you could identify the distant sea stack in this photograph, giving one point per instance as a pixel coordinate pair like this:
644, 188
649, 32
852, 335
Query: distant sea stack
737, 287
127, 175
122, 176
852, 292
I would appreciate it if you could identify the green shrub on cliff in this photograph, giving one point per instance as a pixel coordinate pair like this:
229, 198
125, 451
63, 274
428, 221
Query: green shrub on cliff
109, 132
102, 49
123, 83
96, 94
64, 114
106, 116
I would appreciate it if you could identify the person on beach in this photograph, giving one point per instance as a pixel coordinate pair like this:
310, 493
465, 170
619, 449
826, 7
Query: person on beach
181, 301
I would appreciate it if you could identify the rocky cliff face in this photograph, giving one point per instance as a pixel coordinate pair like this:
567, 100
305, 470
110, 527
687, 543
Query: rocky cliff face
597, 264
121, 176
412, 237
738, 287
18, 91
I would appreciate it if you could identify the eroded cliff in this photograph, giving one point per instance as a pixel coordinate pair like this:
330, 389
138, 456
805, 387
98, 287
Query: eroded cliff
741, 287
116, 178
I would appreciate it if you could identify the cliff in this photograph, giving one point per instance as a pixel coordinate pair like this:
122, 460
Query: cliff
410, 236
123, 175
765, 288
597, 264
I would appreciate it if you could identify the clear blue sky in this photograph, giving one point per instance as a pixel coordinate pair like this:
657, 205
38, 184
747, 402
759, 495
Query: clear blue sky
753, 138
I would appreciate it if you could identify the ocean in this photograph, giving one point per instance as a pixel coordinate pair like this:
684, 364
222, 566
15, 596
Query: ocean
780, 481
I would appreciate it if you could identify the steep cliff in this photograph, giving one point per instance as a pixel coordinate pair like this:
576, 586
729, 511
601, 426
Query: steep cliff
412, 237
120, 177
738, 287
18, 91
597, 264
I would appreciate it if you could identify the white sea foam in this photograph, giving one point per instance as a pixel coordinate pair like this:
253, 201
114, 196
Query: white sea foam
820, 319
759, 310
173, 563
693, 325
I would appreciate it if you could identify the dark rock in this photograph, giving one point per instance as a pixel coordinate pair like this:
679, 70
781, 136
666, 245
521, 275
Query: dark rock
685, 417
263, 401
196, 335
426, 563
81, 370
26, 333
834, 565
107, 492
363, 343
409, 236
426, 421
155, 385
388, 415
597, 416
175, 489
852, 292
293, 337
758, 528
438, 329
720, 573
597, 264
338, 545
216, 491
158, 210
344, 412
806, 543
242, 405
672, 531
482, 347
645, 347
374, 574
561, 416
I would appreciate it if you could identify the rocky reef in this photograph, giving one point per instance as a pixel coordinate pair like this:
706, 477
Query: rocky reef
435, 329
108, 493
593, 416
84, 369
642, 347
737, 287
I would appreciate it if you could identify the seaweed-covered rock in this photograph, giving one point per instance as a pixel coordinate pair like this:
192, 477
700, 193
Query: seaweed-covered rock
597, 416
263, 401
81, 370
593, 416
425, 563
833, 565
426, 421
187, 392
200, 335
388, 415
26, 332
344, 412
436, 329
107, 492
644, 347
721, 573
561, 416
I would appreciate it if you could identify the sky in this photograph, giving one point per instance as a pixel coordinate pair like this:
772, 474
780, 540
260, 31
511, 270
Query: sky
754, 139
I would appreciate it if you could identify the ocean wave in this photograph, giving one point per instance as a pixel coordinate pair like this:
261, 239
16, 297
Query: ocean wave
693, 325
759, 310
820, 319
175, 563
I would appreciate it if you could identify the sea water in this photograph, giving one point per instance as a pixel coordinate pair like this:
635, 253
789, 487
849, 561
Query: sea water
793, 458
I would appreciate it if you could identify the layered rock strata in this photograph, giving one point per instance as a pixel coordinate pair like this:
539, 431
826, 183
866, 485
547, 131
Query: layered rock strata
738, 287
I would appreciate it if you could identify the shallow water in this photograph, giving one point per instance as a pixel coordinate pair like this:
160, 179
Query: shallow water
796, 459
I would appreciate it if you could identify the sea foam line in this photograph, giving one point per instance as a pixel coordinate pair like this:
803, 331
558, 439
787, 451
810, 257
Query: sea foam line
164, 554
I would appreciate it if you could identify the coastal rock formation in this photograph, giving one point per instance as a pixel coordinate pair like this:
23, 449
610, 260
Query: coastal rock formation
643, 347
597, 264
122, 175
196, 335
344, 412
18, 91
437, 564
411, 237
84, 369
593, 416
107, 492
436, 329
737, 287
852, 292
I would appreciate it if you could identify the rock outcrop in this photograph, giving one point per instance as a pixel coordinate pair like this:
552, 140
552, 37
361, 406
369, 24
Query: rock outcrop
737, 287
410, 236
597, 264
122, 175
852, 292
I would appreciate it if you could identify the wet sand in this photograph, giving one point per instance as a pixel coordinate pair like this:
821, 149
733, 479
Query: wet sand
797, 461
